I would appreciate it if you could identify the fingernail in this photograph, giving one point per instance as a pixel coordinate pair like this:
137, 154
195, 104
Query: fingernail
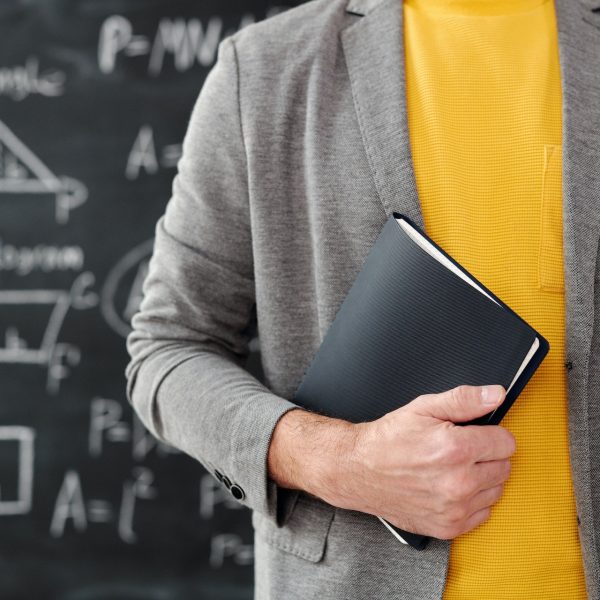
490, 395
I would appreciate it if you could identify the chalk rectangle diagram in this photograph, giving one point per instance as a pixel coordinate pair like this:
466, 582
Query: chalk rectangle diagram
24, 436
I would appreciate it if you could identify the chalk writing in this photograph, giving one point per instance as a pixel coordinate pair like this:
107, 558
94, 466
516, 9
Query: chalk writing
56, 357
22, 172
144, 442
212, 494
24, 437
71, 507
125, 279
140, 487
24, 259
105, 422
143, 155
107, 425
229, 546
90, 136
189, 41
20, 81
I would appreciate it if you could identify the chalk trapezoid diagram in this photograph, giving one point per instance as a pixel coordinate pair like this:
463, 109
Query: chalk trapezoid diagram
49, 352
22, 172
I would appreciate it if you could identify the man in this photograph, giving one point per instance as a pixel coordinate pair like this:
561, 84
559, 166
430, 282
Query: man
310, 130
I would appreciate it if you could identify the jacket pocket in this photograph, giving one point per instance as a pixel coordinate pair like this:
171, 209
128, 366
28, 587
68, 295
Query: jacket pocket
550, 256
304, 532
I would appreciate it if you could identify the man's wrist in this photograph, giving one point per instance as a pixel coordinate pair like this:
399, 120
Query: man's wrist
313, 453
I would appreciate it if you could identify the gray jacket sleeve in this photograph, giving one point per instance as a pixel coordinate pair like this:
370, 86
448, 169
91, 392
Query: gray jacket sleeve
186, 379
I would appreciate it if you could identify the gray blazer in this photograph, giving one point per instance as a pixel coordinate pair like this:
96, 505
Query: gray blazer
296, 153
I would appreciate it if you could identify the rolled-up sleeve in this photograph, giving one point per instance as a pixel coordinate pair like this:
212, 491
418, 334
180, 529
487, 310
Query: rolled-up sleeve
186, 378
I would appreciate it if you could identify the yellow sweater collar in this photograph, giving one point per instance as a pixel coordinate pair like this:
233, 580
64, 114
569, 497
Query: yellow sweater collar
476, 7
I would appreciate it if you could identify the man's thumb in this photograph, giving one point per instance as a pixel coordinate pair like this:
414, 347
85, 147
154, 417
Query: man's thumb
462, 403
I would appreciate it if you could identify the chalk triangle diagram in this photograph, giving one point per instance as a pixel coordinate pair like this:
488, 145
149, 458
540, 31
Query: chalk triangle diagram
21, 171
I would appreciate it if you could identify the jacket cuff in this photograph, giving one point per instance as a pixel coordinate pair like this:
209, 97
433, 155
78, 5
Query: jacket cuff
228, 428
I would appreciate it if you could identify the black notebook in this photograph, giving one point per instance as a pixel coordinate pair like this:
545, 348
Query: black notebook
416, 322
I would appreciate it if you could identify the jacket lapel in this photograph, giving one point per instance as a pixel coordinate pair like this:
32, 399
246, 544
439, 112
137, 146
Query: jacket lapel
374, 53
578, 24
579, 49
373, 47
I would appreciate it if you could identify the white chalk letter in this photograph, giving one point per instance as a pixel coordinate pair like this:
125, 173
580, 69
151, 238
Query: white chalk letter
69, 505
143, 154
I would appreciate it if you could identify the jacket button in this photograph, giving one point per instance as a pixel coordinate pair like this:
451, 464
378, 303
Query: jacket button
226, 481
237, 492
569, 365
578, 520
218, 475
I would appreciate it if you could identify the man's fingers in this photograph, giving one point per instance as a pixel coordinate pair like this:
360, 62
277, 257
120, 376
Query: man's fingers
477, 518
491, 473
487, 442
459, 404
486, 498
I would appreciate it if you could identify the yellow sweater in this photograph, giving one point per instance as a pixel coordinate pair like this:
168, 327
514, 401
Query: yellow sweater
484, 116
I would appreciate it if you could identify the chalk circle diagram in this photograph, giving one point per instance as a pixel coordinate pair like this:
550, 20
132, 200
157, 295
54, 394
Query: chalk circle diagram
122, 291
22, 172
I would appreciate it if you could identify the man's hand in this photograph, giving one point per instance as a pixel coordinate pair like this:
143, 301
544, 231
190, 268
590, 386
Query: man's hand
413, 466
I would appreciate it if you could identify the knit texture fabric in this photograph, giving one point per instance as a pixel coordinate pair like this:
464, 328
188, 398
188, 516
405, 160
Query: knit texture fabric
484, 113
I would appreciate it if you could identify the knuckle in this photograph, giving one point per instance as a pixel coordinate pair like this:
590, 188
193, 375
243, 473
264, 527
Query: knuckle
456, 515
462, 390
467, 482
508, 440
460, 393
470, 392
455, 489
485, 515
491, 496
418, 401
512, 442
482, 516
454, 450
448, 532
499, 473
499, 490
470, 487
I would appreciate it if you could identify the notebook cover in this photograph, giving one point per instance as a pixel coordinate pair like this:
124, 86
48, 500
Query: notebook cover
496, 416
409, 326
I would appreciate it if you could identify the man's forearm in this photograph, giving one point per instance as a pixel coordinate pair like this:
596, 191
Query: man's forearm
313, 453
413, 466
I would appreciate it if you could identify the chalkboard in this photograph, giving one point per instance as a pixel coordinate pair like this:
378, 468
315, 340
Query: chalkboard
95, 96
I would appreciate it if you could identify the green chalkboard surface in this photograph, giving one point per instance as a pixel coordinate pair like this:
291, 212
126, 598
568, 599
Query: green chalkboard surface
95, 96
